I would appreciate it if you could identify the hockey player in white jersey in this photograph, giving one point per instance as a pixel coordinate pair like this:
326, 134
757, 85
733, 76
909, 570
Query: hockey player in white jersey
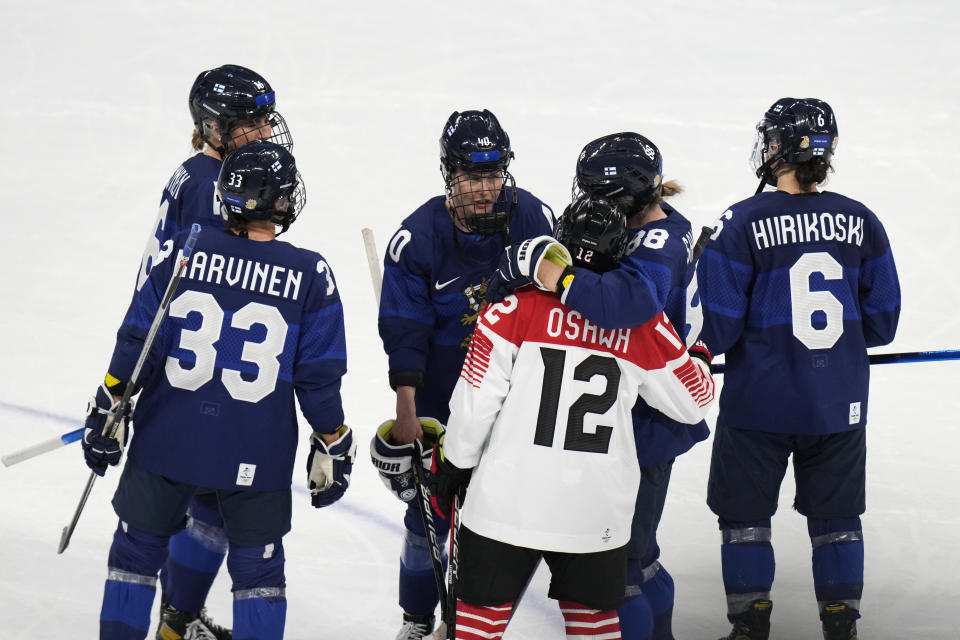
541, 419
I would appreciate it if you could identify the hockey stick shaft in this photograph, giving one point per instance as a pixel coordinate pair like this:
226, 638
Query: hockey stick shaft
426, 510
41, 447
426, 514
453, 576
701, 243
373, 261
892, 358
111, 426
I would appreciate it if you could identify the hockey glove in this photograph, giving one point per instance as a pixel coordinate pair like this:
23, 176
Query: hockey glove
329, 466
519, 263
394, 462
101, 450
446, 481
700, 350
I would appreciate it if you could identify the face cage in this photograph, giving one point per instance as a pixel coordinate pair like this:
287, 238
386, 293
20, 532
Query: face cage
767, 138
297, 201
462, 197
279, 133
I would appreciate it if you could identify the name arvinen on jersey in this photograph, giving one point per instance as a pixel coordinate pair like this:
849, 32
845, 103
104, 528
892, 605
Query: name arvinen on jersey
807, 227
245, 274
574, 326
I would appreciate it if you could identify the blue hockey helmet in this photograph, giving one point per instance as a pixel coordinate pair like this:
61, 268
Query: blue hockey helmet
260, 181
595, 232
232, 95
473, 141
619, 165
795, 131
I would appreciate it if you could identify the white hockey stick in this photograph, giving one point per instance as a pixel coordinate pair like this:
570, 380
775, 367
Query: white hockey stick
373, 261
41, 447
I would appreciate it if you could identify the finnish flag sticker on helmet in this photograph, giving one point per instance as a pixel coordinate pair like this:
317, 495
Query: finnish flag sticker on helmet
219, 88
609, 171
276, 166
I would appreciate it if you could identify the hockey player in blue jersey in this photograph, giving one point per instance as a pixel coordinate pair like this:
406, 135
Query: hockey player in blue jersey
434, 283
795, 285
254, 322
628, 168
230, 106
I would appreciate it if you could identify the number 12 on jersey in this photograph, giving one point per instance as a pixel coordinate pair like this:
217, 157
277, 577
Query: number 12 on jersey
576, 439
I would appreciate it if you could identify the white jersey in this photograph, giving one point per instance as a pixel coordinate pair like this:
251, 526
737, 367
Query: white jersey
542, 410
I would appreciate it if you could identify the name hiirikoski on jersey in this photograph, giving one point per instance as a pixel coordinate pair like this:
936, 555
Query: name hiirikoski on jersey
806, 227
250, 275
475, 295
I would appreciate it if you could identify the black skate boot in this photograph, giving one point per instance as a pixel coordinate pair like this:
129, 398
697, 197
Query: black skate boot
181, 625
839, 622
752, 624
416, 627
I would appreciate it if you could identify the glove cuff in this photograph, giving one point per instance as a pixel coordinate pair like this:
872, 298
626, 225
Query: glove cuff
406, 379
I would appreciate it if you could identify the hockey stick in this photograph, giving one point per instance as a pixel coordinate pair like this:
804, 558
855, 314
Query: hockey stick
701, 243
373, 261
111, 426
41, 447
426, 514
426, 510
891, 358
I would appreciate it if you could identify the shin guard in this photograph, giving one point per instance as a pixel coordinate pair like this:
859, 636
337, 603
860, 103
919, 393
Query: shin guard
135, 558
748, 564
259, 591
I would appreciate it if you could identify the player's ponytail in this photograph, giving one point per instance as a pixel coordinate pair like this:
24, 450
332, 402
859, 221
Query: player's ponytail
196, 141
670, 188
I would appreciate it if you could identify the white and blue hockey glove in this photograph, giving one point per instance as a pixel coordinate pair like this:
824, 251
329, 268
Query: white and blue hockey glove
329, 466
519, 263
100, 450
395, 462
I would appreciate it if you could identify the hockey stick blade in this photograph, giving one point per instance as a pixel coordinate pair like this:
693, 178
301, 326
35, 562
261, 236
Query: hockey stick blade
41, 447
112, 425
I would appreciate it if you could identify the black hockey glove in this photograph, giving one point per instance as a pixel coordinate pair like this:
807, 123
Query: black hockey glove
446, 481
329, 466
519, 263
100, 450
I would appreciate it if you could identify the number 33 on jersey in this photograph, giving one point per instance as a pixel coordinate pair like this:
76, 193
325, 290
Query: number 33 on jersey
545, 397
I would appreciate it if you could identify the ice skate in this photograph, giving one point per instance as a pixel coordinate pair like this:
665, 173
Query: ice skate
181, 625
753, 624
838, 622
416, 627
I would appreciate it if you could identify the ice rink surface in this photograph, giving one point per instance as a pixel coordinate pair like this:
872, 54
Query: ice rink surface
94, 97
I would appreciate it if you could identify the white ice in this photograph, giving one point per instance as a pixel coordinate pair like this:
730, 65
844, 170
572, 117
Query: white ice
94, 100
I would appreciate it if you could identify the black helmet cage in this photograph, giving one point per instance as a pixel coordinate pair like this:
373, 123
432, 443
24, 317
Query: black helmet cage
260, 181
474, 148
463, 190
595, 232
625, 167
232, 95
795, 131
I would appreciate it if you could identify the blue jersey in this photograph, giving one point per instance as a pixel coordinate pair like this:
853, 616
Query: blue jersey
188, 198
251, 323
661, 252
794, 288
434, 282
